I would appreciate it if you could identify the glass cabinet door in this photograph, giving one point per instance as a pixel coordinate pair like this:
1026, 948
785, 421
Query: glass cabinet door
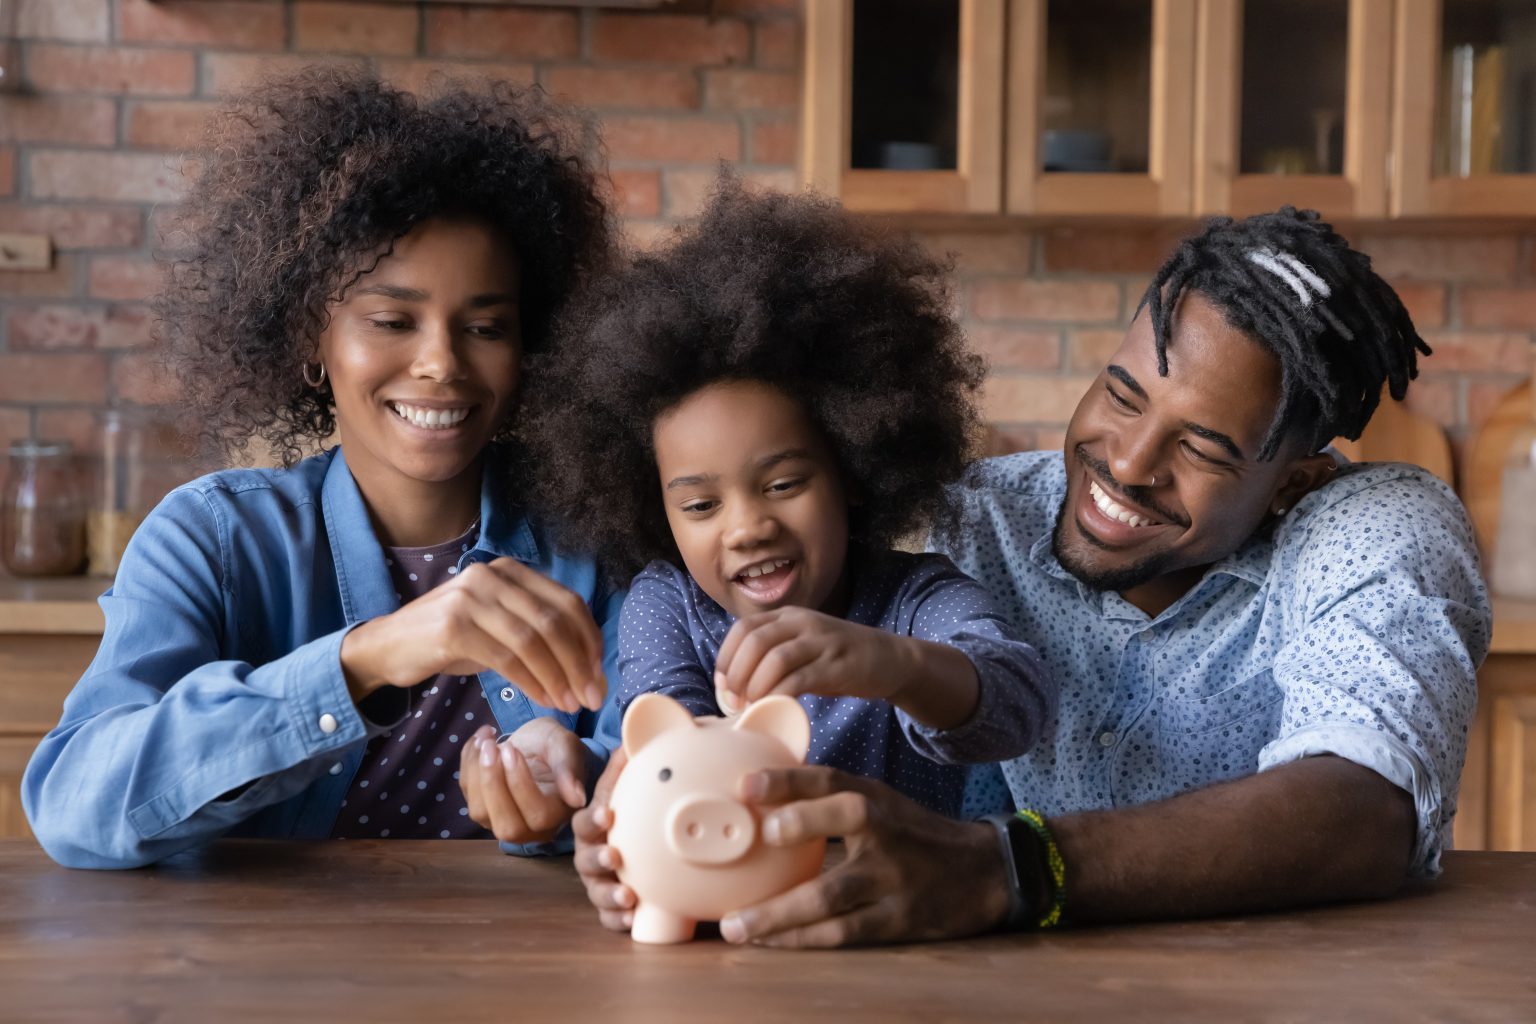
1292, 105
903, 103
1100, 97
1465, 127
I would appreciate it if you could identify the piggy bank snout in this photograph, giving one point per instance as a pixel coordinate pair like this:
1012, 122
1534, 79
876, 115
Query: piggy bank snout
710, 830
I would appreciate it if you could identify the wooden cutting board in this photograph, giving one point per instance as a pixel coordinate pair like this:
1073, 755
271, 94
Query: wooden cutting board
1512, 424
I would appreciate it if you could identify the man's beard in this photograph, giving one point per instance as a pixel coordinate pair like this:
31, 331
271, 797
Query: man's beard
1147, 569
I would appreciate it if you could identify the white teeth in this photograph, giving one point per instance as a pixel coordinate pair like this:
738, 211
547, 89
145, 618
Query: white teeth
765, 567
431, 419
1113, 509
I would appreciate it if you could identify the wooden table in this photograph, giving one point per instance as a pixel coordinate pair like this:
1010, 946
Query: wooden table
453, 931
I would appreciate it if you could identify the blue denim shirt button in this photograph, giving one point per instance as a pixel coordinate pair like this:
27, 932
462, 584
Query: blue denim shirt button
507, 693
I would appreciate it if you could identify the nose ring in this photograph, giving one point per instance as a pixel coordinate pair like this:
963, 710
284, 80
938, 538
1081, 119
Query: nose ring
1154, 481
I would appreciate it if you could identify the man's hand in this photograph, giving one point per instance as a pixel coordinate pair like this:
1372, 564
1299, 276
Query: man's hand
524, 788
596, 862
910, 874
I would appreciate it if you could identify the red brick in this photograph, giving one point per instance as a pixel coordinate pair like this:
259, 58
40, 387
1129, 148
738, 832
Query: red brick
418, 76
74, 226
1089, 351
80, 427
636, 193
742, 89
676, 38
112, 177
126, 278
1424, 302
750, 8
231, 24
486, 32
642, 235
625, 88
1495, 352
55, 283
168, 124
775, 142
47, 379
1017, 348
225, 73
15, 425
71, 120
688, 190
388, 29
675, 140
7, 170
118, 70
1128, 249
1435, 396
1066, 301
51, 328
983, 252
1499, 307
1443, 258
141, 378
776, 44
80, 21
1041, 399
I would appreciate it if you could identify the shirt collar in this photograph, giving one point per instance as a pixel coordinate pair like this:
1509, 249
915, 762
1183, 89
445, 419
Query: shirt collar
366, 589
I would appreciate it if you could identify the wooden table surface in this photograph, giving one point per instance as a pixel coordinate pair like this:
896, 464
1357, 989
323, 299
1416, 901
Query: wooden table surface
454, 931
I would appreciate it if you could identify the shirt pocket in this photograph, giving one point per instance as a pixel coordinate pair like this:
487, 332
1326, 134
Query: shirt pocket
1250, 708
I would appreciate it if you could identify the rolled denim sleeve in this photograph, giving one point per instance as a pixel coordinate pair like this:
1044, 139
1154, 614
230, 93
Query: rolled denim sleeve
1017, 694
1388, 633
164, 744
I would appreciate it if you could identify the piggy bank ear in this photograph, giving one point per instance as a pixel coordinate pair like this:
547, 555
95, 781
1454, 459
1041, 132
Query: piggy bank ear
782, 718
649, 716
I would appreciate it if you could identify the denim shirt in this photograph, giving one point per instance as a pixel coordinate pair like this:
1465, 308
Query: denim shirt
216, 704
1355, 629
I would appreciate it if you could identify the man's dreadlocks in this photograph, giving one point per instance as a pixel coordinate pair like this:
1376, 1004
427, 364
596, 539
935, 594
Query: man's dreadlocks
1290, 282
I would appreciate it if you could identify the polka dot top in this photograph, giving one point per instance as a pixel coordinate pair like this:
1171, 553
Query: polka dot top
407, 786
670, 634
1356, 629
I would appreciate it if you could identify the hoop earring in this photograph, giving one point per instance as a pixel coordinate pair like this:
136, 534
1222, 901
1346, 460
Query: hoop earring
316, 384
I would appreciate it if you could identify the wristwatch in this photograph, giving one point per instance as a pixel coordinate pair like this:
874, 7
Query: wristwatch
1018, 842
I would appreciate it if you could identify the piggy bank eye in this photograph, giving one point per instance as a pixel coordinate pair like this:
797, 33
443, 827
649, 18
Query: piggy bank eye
664, 774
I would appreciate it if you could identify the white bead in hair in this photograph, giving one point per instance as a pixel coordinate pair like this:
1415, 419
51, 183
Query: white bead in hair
1302, 280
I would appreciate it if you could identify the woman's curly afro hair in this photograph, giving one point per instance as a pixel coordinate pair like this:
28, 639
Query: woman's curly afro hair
785, 290
307, 182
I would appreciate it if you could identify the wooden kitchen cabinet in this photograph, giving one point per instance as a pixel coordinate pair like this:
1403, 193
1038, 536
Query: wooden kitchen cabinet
49, 631
1498, 784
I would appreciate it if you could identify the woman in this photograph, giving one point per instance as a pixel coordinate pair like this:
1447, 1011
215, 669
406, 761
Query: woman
304, 652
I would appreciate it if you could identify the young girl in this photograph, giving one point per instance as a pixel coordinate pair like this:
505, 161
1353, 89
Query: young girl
303, 652
754, 416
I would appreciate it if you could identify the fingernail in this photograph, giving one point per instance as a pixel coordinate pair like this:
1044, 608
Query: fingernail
732, 930
754, 786
487, 752
600, 815
629, 920
605, 859
772, 829
719, 680
625, 896
594, 696
508, 755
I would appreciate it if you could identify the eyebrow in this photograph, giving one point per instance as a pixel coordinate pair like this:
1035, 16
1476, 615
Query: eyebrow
390, 291
766, 462
1214, 436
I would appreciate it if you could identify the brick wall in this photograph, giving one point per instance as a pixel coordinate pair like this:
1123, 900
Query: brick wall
114, 88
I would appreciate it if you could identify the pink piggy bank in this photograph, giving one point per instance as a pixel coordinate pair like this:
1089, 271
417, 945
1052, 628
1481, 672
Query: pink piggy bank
689, 849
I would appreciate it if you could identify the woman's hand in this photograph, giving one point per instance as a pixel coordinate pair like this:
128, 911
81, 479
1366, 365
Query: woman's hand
524, 788
795, 650
596, 862
499, 615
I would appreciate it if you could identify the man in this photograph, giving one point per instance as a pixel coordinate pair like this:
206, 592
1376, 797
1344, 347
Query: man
1268, 661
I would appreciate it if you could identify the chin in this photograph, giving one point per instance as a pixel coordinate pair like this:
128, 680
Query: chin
1099, 573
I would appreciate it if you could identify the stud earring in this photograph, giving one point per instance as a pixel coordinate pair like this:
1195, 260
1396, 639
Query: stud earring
316, 384
1281, 510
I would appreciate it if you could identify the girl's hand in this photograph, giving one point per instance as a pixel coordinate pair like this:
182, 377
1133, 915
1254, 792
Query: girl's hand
796, 650
524, 788
498, 615
597, 863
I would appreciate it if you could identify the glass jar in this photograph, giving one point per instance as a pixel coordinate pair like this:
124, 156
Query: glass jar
119, 505
42, 526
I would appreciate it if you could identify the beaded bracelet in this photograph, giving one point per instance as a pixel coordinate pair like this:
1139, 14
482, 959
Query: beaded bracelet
1053, 861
